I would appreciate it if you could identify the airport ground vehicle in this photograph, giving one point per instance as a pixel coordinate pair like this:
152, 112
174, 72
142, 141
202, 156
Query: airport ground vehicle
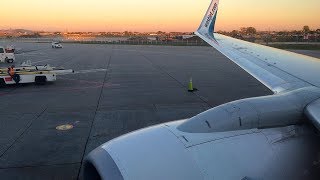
31, 74
7, 55
56, 45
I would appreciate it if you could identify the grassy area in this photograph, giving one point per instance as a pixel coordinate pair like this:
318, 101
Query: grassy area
197, 43
297, 46
156, 43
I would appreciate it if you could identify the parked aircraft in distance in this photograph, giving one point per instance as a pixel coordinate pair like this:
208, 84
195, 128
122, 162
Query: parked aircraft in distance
270, 137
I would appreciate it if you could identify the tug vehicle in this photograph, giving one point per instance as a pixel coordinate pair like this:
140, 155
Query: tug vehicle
27, 73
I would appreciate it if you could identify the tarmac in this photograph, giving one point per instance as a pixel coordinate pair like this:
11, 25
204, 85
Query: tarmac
116, 89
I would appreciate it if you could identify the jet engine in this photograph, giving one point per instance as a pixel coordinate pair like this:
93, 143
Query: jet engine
260, 112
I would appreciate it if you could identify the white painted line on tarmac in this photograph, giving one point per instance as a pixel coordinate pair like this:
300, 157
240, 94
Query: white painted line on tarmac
86, 71
41, 61
89, 71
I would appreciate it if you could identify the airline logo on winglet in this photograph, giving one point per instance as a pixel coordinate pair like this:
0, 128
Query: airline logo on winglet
210, 15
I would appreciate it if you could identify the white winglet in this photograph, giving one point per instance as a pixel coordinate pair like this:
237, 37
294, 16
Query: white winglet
206, 29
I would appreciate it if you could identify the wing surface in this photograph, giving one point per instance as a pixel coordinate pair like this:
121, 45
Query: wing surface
277, 69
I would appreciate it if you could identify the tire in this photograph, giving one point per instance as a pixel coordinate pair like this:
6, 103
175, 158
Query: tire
9, 60
2, 83
16, 78
40, 80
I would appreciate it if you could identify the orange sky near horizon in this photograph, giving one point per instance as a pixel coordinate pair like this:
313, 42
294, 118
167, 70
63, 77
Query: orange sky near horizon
148, 15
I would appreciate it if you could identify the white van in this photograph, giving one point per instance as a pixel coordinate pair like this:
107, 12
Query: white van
6, 55
56, 45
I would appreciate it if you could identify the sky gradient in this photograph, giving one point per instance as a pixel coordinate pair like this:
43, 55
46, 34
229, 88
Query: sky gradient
149, 15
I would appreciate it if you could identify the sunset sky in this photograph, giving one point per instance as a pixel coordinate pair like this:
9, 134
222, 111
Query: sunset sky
151, 15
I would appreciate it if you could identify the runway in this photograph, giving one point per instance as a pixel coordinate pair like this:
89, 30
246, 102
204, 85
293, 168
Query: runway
116, 89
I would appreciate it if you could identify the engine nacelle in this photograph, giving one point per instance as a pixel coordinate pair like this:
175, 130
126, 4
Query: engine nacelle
260, 112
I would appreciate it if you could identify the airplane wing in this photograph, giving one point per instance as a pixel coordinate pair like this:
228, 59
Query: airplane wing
277, 69
253, 138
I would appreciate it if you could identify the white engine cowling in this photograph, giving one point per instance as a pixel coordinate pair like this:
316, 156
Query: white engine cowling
261, 112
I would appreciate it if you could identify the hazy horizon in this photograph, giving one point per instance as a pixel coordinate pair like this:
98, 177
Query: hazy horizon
149, 16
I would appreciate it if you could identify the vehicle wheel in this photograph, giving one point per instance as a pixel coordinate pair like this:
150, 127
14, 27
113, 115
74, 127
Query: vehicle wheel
2, 83
16, 78
40, 80
10, 60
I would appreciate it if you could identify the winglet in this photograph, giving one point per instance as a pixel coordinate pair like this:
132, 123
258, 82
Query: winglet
206, 29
